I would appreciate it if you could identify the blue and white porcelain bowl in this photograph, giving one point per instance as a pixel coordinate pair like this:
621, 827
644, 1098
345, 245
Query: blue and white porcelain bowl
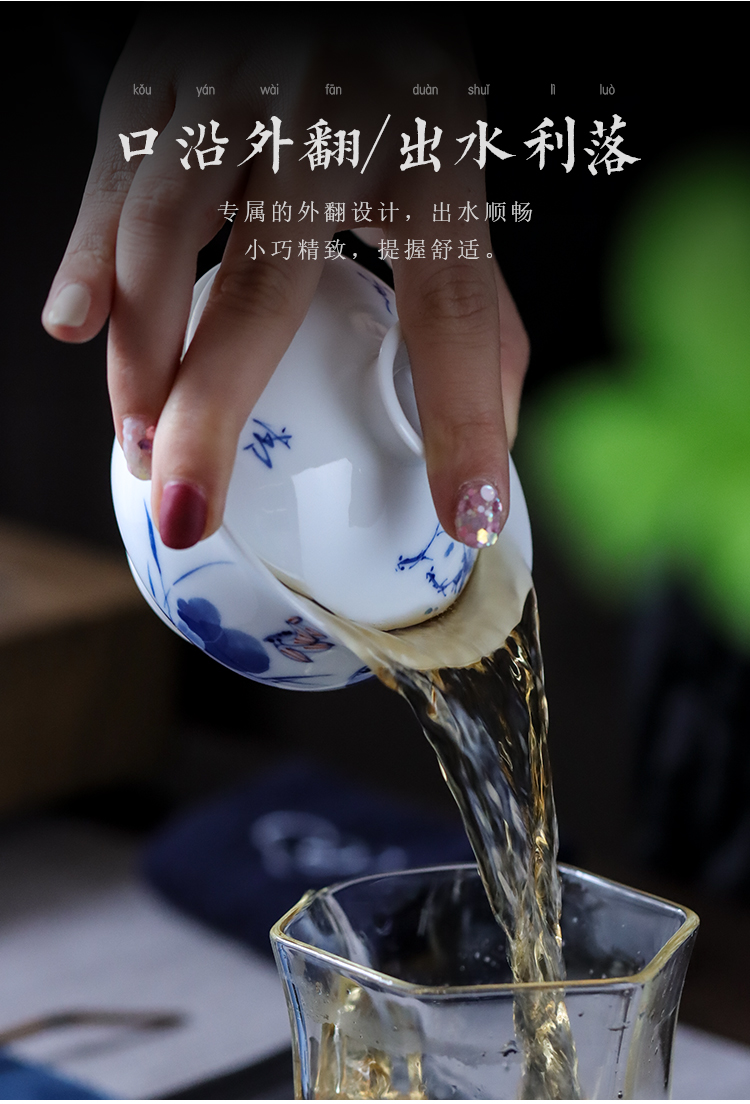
329, 493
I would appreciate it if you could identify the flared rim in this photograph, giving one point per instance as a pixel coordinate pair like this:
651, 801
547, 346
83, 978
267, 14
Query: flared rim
280, 936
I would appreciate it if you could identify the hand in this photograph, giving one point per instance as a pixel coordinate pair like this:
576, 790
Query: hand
133, 251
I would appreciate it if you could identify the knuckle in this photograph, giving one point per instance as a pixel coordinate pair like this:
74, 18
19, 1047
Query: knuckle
154, 208
455, 296
260, 289
472, 421
109, 180
92, 248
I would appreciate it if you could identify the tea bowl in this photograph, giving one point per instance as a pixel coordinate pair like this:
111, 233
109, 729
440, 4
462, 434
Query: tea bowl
328, 499
329, 486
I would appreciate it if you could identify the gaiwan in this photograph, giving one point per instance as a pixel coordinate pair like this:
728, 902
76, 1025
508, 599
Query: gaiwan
328, 500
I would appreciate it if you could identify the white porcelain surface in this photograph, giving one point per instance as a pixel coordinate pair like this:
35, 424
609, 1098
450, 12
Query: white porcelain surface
329, 488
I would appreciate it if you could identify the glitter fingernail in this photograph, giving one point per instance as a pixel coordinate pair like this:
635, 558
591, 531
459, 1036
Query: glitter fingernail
478, 515
137, 444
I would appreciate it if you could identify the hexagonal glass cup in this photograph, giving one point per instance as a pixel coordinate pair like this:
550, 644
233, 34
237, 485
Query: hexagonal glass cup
398, 988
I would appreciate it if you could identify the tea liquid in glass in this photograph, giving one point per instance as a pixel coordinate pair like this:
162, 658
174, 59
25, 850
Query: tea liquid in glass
488, 726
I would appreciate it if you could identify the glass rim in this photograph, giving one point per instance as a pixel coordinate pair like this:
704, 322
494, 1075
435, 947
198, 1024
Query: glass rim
641, 977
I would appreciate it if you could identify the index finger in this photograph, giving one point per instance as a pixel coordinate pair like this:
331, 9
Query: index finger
451, 321
80, 297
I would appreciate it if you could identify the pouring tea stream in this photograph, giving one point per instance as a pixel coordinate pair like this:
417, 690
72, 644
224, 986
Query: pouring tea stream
329, 514
331, 565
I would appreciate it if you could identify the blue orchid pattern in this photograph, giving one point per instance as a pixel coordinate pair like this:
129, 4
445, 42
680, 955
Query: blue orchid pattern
452, 585
381, 290
359, 675
449, 585
164, 602
200, 621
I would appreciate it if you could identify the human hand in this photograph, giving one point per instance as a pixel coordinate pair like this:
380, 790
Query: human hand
133, 250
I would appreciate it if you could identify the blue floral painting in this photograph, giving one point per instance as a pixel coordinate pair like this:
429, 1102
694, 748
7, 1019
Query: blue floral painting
298, 640
380, 288
200, 621
449, 584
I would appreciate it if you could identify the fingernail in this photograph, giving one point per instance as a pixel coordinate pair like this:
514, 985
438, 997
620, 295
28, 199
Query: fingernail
182, 516
478, 514
138, 444
70, 306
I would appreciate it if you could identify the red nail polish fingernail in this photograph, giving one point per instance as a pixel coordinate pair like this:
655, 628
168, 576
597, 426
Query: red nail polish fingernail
183, 514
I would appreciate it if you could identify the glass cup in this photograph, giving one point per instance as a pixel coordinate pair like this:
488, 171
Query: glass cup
398, 988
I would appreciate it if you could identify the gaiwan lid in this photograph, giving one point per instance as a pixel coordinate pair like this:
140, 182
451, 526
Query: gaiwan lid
491, 607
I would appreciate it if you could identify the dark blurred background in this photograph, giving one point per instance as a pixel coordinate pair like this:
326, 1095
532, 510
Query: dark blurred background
630, 776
